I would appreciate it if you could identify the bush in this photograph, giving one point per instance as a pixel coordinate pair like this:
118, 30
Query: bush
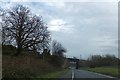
57, 61
24, 66
8, 50
92, 64
16, 73
107, 60
28, 64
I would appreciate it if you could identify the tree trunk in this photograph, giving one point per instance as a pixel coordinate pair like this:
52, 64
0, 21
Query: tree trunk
19, 41
18, 50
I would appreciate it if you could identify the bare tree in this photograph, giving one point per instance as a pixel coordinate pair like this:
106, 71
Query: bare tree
1, 14
25, 30
57, 48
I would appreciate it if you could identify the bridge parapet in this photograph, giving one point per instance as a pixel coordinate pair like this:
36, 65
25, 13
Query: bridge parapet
72, 60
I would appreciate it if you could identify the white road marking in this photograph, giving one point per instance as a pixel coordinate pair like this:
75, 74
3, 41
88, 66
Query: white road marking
104, 75
99, 74
73, 74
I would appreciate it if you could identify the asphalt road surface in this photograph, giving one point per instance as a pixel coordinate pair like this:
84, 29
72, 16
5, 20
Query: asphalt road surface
76, 74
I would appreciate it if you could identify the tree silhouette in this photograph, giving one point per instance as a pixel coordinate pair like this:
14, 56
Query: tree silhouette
25, 30
57, 48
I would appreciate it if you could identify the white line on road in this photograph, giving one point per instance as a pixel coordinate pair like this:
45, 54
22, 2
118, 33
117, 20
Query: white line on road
104, 75
99, 74
73, 74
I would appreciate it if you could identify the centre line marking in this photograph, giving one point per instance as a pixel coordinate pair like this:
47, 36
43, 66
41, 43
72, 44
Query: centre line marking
73, 74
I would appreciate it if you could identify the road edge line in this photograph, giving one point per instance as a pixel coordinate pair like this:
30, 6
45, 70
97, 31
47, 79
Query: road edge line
101, 74
104, 75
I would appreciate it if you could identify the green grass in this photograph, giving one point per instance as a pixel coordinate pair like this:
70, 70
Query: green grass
112, 71
55, 74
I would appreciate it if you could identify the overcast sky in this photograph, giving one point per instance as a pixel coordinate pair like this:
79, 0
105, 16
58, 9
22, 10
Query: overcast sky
83, 28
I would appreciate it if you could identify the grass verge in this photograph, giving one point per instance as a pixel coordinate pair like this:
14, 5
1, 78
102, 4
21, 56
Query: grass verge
55, 74
112, 71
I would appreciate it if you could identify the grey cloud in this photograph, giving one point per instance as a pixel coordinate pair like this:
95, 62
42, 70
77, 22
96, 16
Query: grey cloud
89, 20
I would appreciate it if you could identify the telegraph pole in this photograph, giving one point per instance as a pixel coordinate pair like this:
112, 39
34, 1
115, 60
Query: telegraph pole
80, 56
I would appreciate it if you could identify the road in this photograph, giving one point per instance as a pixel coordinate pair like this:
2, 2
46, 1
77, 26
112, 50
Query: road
75, 74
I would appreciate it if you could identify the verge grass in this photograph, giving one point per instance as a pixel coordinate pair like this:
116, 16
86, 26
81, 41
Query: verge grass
55, 74
112, 71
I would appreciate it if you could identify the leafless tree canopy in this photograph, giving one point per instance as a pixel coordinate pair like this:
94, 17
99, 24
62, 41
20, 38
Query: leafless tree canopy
57, 48
25, 30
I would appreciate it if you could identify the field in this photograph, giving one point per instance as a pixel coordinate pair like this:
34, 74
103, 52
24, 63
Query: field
112, 71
